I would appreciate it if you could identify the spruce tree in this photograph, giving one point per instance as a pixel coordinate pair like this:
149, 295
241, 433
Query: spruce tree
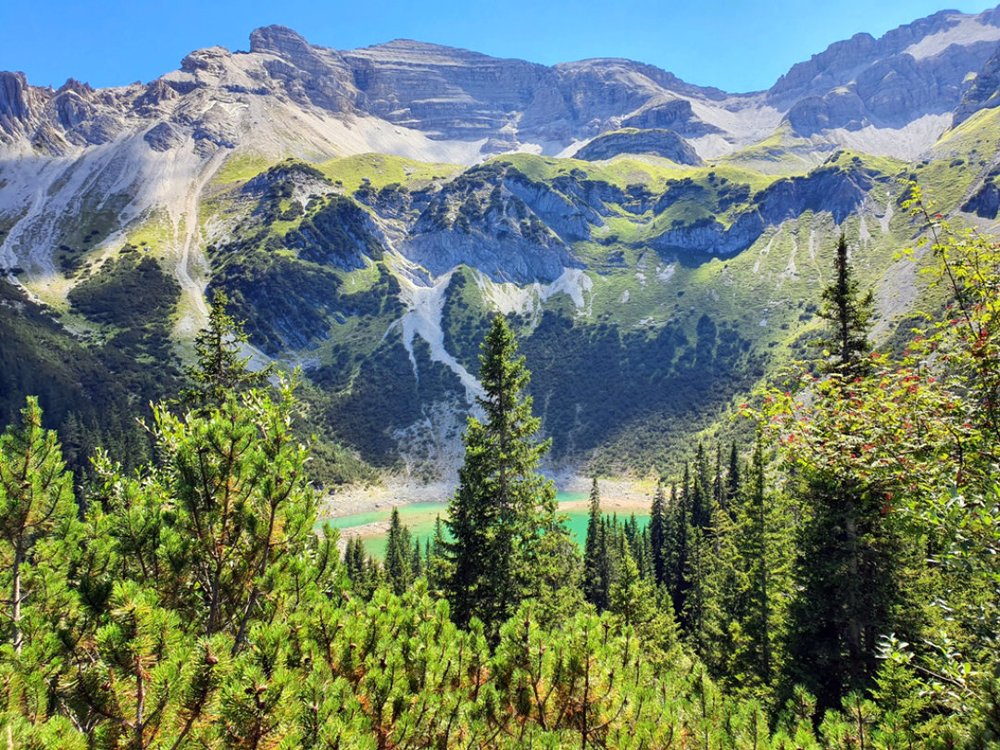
658, 534
767, 542
848, 314
416, 561
718, 486
354, 560
677, 530
701, 496
438, 564
733, 476
594, 585
220, 370
503, 506
398, 555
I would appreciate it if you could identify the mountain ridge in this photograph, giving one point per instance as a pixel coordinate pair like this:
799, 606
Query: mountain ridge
362, 81
367, 210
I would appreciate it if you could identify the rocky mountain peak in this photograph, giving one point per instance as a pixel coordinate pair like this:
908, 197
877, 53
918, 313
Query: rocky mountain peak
279, 40
482, 105
916, 71
77, 87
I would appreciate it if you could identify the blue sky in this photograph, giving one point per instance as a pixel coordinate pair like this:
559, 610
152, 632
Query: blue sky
737, 45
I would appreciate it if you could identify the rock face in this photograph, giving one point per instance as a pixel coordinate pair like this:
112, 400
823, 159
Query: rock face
984, 93
665, 143
916, 70
452, 93
985, 202
15, 108
495, 220
676, 115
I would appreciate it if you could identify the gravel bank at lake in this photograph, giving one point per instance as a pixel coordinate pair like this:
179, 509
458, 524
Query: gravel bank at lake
616, 494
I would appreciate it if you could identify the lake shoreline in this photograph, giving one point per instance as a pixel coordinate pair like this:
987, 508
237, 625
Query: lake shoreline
617, 494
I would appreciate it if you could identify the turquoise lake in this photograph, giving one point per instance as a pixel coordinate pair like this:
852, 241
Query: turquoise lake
419, 517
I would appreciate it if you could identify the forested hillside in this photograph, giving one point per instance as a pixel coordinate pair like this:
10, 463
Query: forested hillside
367, 212
833, 583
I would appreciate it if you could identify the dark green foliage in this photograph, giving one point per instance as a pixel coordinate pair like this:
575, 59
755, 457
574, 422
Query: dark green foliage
286, 303
503, 509
596, 564
662, 380
285, 284
220, 369
386, 396
92, 395
135, 299
127, 289
849, 575
339, 234
658, 539
438, 565
463, 325
848, 314
399, 567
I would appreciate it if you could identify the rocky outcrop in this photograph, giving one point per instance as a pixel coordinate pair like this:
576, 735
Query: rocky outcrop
834, 188
18, 105
665, 143
455, 93
985, 202
504, 258
306, 74
676, 115
984, 93
483, 219
569, 218
711, 237
163, 137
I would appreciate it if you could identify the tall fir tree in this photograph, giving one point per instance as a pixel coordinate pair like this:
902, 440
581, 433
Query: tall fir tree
503, 505
438, 565
595, 587
357, 569
848, 315
733, 475
677, 533
718, 482
701, 494
398, 555
850, 555
767, 542
220, 369
658, 534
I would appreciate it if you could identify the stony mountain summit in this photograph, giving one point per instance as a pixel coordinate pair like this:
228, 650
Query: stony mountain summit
217, 98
